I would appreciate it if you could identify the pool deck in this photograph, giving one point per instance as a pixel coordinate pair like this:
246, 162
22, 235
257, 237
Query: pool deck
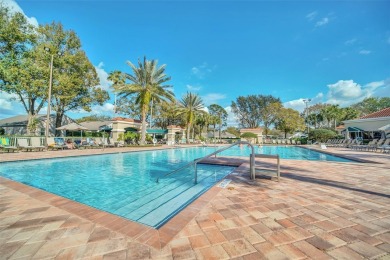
321, 210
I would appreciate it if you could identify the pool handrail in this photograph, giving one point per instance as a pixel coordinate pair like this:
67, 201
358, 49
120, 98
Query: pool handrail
194, 162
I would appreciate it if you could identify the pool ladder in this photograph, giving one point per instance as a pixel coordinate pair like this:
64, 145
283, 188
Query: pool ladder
195, 162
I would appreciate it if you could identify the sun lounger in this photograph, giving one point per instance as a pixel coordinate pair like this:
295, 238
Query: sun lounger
384, 146
375, 146
36, 143
56, 143
6, 145
23, 144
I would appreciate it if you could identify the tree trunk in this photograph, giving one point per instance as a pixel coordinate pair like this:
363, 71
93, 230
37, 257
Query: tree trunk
220, 129
59, 116
31, 115
143, 126
188, 132
29, 122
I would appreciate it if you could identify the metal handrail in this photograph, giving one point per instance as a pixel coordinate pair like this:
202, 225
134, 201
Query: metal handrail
252, 159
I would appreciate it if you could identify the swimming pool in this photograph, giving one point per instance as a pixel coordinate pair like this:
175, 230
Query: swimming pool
285, 152
125, 183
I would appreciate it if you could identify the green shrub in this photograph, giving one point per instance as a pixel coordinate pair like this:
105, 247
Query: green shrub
322, 135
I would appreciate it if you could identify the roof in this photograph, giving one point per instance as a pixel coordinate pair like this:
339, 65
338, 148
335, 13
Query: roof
126, 119
20, 120
252, 130
94, 125
72, 127
381, 113
353, 129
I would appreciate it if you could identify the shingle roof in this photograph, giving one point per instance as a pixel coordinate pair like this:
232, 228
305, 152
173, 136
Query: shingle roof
126, 119
20, 120
381, 113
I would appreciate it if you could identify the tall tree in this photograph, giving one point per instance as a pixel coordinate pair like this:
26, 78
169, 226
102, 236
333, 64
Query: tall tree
269, 111
190, 105
371, 105
23, 65
349, 113
253, 110
289, 121
74, 77
166, 114
117, 78
246, 110
220, 112
202, 121
146, 83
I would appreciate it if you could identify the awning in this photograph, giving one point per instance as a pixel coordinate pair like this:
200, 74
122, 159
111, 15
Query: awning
105, 128
131, 129
157, 131
353, 129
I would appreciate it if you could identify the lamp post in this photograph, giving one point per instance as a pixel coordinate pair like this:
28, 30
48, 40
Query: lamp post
307, 101
49, 98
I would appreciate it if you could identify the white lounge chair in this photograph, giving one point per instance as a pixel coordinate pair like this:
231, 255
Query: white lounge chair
23, 144
36, 143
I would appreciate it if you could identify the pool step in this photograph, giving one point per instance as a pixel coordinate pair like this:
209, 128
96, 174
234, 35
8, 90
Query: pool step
168, 205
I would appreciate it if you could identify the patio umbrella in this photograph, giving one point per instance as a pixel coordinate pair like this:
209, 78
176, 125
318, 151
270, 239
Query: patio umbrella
73, 127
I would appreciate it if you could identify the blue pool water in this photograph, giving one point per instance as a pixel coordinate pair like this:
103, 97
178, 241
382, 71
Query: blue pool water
285, 152
125, 183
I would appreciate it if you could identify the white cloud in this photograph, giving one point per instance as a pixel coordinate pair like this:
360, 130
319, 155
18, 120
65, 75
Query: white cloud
311, 15
322, 22
9, 106
14, 8
345, 93
212, 98
299, 104
231, 118
103, 75
193, 88
364, 52
106, 108
202, 71
350, 42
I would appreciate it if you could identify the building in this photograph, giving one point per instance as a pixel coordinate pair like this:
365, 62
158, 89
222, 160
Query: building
17, 125
367, 127
257, 131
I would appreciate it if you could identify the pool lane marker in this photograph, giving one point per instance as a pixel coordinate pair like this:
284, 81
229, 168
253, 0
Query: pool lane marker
223, 184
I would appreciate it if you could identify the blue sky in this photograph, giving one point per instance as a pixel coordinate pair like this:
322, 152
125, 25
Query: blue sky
334, 52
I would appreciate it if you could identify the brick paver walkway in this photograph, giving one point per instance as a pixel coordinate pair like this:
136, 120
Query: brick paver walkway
319, 210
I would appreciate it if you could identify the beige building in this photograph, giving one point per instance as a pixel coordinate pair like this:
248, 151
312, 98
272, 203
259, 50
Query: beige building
257, 131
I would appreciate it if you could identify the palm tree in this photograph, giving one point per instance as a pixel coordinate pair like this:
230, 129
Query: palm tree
118, 79
146, 84
190, 105
202, 120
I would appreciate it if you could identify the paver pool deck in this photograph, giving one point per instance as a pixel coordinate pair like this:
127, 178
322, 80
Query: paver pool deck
319, 210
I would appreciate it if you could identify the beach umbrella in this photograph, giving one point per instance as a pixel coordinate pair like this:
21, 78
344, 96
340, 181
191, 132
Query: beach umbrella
73, 127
